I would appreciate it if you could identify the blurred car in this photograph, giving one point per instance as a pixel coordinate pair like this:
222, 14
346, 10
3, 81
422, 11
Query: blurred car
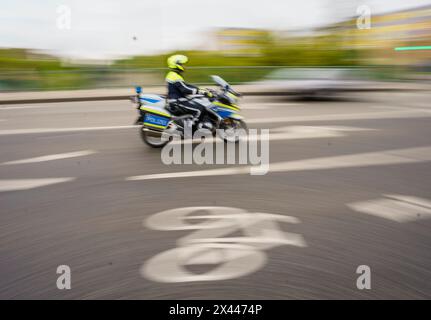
314, 82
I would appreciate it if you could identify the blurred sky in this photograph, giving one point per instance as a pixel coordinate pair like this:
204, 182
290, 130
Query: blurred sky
104, 29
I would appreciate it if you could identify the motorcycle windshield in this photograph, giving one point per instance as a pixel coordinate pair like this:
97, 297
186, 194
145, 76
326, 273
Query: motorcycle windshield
220, 81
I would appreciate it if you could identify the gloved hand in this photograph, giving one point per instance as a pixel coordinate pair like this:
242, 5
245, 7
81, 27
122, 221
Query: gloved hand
205, 92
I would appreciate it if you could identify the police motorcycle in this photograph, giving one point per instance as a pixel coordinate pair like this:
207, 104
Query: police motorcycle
161, 121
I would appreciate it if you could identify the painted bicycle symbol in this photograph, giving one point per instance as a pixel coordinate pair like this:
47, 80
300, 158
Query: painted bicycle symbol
213, 244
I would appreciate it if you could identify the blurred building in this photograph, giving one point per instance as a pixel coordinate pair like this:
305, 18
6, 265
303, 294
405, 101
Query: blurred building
408, 28
240, 41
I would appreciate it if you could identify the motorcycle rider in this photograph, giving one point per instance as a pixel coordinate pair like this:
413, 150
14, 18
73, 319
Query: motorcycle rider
178, 89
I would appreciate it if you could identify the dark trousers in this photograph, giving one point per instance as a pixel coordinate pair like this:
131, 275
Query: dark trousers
191, 107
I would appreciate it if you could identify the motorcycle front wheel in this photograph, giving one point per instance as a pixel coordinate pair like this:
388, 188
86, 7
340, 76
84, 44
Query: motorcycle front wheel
232, 130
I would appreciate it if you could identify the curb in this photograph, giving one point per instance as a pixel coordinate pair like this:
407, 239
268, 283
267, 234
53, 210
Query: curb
127, 97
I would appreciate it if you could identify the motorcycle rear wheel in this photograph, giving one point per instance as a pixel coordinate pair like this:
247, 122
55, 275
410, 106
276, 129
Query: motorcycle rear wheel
152, 139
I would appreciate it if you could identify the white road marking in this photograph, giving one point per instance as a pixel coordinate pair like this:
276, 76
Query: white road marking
25, 107
287, 133
309, 132
398, 208
388, 157
251, 106
61, 109
328, 117
52, 157
26, 184
409, 109
246, 106
55, 130
413, 200
265, 106
210, 243
347, 116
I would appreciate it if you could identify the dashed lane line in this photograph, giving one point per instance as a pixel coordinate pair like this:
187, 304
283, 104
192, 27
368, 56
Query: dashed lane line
398, 208
286, 133
26, 184
327, 117
387, 157
57, 130
52, 157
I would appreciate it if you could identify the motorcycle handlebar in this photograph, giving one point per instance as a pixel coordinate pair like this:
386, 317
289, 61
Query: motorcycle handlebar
226, 89
234, 92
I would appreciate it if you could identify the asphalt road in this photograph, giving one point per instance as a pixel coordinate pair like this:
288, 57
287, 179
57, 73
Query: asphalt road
349, 185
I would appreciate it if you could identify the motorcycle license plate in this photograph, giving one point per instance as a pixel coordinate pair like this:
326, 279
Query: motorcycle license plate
154, 120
